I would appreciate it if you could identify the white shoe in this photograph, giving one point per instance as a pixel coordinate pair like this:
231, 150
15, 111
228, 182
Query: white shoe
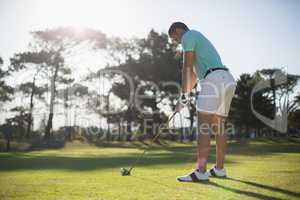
195, 176
217, 172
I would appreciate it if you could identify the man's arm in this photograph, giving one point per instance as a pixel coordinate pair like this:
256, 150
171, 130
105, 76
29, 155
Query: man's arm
189, 78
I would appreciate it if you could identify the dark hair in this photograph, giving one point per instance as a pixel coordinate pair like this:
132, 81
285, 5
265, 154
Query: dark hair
176, 25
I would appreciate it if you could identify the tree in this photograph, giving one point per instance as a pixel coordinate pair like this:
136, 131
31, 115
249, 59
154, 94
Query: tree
241, 114
31, 90
73, 96
150, 62
5, 95
7, 130
60, 43
294, 116
282, 85
5, 90
46, 60
36, 63
19, 121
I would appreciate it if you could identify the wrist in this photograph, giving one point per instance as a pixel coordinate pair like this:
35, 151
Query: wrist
184, 98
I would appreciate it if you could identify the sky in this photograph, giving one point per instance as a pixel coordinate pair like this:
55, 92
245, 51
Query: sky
249, 35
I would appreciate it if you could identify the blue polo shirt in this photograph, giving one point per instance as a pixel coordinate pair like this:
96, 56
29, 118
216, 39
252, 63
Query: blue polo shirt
206, 56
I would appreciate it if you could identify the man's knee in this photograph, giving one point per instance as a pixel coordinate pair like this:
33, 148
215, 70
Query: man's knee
210, 124
204, 123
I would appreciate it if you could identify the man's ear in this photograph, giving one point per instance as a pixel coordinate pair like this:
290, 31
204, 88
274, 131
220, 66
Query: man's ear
177, 32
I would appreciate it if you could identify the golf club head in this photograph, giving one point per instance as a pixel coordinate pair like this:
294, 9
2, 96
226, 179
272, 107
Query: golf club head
125, 172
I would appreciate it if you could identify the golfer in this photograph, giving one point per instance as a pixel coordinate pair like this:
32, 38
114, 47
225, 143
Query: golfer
202, 64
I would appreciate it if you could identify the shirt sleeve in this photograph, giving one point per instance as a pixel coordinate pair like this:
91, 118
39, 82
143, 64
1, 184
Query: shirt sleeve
188, 43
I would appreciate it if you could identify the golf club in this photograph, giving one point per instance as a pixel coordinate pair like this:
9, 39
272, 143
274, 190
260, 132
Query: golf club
126, 172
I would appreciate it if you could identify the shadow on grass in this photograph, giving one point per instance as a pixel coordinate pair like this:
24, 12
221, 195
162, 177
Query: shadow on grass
264, 146
267, 187
236, 147
243, 192
267, 147
19, 161
170, 155
173, 188
230, 189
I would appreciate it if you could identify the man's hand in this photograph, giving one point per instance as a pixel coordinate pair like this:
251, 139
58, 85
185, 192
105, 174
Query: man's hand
182, 101
189, 80
179, 106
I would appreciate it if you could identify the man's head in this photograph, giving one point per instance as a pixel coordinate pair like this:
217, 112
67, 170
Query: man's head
176, 30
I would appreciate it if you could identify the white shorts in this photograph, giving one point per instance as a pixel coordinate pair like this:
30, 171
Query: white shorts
215, 93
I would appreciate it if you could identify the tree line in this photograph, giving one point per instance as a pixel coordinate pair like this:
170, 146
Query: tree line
153, 65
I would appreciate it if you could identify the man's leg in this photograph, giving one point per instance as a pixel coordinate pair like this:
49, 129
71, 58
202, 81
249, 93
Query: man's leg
199, 174
221, 140
204, 124
209, 123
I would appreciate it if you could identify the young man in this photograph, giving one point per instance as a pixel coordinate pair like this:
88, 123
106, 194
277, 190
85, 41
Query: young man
202, 64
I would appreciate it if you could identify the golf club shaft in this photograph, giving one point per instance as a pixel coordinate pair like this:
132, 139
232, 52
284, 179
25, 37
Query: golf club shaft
151, 142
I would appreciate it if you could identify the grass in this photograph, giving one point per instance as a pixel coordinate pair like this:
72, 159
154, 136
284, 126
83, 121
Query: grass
257, 169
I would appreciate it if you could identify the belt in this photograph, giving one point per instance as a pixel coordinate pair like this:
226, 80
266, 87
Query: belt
214, 69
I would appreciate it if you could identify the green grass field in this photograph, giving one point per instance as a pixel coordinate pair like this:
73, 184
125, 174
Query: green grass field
258, 169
